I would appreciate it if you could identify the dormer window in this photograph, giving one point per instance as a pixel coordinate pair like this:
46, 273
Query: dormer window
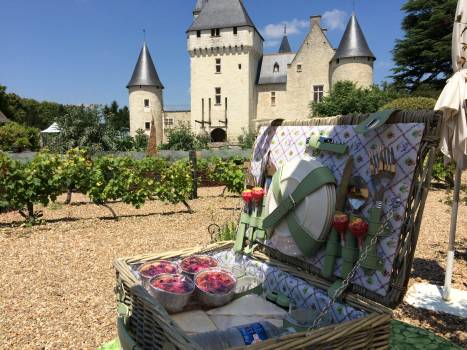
276, 68
215, 32
235, 30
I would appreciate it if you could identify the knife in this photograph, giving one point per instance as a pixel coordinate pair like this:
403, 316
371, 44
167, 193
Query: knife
332, 244
344, 185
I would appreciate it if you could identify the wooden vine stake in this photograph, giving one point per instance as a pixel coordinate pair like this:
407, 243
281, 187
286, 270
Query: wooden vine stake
151, 150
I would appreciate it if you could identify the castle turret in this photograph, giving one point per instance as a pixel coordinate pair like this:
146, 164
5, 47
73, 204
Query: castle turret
225, 49
353, 59
285, 45
145, 96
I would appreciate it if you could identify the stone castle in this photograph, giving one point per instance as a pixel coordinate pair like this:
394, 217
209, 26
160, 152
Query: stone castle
235, 86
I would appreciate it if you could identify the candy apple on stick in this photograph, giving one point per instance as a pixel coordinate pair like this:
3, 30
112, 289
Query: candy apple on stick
359, 228
339, 223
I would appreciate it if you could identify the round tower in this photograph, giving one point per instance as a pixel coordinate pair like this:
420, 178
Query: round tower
353, 59
145, 96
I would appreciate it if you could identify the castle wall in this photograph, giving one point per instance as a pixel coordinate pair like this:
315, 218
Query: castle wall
266, 111
140, 115
239, 55
174, 119
313, 57
356, 69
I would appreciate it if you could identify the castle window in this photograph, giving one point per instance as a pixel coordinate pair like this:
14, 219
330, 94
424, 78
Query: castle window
146, 103
168, 122
198, 33
239, 66
218, 96
276, 68
273, 98
147, 126
215, 32
318, 92
235, 30
299, 68
337, 61
218, 65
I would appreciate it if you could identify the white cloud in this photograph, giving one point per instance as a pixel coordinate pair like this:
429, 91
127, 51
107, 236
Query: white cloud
276, 31
271, 43
334, 19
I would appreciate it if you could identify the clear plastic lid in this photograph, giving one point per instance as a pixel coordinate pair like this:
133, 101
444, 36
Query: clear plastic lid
215, 281
155, 268
195, 263
176, 284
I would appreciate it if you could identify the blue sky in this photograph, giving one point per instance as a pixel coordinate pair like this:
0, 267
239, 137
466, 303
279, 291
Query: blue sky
84, 51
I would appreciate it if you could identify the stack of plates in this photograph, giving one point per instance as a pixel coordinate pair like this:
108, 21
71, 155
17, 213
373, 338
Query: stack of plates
314, 213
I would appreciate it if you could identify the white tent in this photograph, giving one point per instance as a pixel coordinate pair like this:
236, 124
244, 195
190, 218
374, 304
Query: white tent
53, 129
47, 134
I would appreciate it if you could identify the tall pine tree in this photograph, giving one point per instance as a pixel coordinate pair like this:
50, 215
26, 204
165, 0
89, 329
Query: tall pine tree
423, 56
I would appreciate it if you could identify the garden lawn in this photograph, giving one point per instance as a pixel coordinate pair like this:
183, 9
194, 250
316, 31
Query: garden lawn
56, 280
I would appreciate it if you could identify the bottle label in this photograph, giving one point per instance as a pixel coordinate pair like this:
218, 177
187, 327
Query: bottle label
253, 333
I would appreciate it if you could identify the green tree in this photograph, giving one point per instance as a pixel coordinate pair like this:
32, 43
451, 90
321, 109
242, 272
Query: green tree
423, 56
140, 140
247, 139
346, 98
16, 137
30, 112
411, 103
118, 118
85, 127
181, 138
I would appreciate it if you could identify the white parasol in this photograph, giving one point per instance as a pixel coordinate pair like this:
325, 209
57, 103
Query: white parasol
452, 102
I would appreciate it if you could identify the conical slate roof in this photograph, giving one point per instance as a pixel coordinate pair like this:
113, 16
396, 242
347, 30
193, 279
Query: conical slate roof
199, 6
145, 73
222, 14
285, 46
353, 43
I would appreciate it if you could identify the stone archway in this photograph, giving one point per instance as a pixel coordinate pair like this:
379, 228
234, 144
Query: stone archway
218, 135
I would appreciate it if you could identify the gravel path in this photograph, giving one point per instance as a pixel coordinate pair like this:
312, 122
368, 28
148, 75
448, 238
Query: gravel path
56, 280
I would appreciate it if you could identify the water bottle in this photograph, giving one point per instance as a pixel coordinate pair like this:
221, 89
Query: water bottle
237, 336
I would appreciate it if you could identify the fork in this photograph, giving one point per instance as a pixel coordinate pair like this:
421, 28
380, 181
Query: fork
382, 170
383, 166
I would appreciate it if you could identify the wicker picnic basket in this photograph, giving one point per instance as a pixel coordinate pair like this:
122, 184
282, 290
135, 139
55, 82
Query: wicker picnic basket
144, 324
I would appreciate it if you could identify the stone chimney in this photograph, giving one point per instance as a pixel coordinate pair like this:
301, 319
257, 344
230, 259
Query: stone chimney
315, 20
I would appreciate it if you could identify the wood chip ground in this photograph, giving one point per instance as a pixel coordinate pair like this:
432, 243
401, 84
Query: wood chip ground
56, 279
